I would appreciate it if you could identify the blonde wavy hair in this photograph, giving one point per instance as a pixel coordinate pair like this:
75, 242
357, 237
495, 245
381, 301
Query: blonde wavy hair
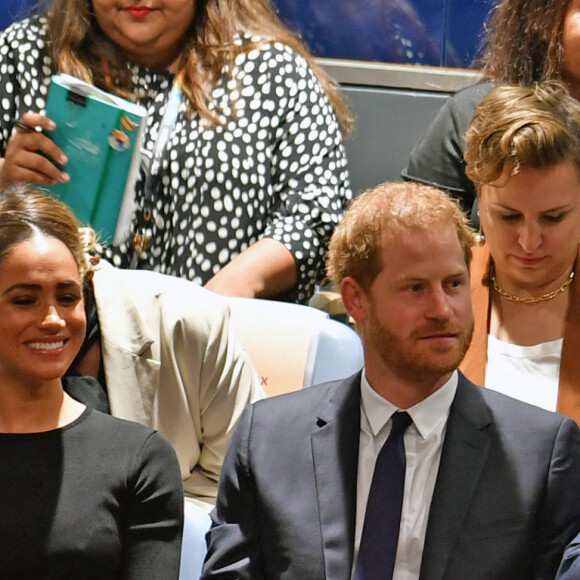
380, 213
517, 126
78, 47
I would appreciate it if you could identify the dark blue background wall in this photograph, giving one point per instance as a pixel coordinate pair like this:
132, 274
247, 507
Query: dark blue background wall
11, 10
430, 32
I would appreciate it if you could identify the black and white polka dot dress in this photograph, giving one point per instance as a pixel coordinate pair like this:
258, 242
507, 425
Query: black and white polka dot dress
275, 168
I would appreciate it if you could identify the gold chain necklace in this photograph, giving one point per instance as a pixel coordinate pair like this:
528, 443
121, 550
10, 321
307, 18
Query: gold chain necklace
520, 299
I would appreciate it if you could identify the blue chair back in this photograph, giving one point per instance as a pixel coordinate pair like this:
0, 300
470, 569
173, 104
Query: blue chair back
293, 346
280, 339
335, 353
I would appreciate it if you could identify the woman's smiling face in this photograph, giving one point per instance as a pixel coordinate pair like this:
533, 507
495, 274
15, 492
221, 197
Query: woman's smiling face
42, 318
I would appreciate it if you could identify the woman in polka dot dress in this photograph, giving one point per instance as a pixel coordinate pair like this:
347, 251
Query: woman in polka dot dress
245, 191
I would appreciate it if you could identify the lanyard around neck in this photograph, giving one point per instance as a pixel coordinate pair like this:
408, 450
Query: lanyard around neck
143, 232
166, 128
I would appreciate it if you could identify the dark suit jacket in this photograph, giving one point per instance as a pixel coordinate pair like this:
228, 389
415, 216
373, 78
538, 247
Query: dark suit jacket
506, 499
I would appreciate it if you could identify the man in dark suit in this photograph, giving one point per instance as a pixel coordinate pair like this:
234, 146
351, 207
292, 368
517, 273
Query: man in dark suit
487, 486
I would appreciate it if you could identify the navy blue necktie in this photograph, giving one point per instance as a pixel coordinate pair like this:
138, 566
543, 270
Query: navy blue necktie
380, 536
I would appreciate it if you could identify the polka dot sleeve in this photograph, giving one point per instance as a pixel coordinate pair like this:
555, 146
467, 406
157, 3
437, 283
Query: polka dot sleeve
24, 73
308, 167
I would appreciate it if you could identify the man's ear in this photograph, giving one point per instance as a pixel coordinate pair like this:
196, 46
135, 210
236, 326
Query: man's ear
354, 299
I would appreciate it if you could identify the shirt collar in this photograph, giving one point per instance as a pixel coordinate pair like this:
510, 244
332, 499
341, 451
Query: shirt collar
427, 415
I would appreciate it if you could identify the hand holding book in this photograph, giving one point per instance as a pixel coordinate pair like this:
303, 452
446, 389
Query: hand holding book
100, 134
29, 151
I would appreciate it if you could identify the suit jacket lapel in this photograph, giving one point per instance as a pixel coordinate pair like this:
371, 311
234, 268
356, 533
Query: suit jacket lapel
335, 443
132, 378
463, 456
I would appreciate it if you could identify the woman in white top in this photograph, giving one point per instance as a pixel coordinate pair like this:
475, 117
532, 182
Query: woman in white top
523, 154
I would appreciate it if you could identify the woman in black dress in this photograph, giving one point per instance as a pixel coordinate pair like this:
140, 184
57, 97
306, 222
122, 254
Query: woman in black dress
84, 495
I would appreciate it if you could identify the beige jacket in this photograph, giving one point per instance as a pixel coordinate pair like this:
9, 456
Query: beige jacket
171, 362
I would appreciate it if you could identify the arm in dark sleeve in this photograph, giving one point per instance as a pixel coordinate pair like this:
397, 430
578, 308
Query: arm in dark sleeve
560, 520
233, 542
154, 516
437, 159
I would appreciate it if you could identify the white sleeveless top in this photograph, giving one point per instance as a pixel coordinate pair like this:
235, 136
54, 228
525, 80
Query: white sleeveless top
528, 373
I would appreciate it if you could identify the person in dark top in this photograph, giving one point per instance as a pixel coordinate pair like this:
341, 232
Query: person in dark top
84, 495
437, 158
526, 41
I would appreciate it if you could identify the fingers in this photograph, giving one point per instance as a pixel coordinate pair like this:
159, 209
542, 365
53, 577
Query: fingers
22, 164
30, 154
36, 120
26, 160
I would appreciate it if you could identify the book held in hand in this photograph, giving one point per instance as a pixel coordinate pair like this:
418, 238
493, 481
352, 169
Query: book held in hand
100, 133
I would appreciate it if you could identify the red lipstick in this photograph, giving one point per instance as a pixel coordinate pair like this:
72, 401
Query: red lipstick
138, 11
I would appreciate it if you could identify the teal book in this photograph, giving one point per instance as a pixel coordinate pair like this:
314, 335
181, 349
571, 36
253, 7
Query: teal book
100, 133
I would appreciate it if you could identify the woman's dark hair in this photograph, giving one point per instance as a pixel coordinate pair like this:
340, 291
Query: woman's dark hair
26, 211
524, 41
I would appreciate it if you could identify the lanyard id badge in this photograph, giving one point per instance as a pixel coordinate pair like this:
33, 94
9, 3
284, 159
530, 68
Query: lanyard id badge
144, 230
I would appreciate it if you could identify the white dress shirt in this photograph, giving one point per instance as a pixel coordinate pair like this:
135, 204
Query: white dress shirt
423, 442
